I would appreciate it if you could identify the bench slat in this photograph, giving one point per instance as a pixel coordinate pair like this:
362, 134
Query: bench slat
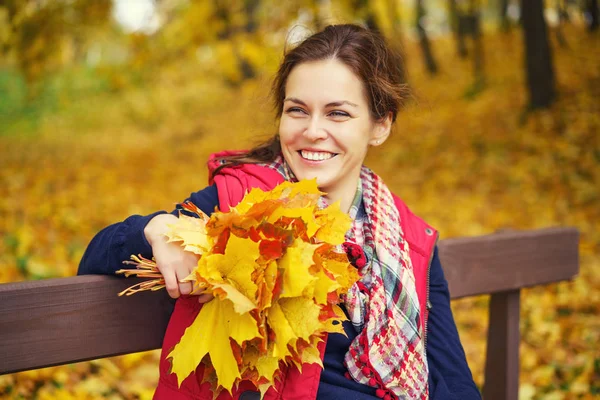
57, 321
509, 260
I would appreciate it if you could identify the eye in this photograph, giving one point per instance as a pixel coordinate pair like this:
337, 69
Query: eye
339, 114
295, 110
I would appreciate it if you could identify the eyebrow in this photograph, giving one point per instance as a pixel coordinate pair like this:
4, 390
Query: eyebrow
332, 104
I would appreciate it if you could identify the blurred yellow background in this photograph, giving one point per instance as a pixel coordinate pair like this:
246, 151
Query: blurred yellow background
109, 109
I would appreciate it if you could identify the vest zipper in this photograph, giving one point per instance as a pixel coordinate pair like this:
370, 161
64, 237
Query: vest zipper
428, 304
427, 308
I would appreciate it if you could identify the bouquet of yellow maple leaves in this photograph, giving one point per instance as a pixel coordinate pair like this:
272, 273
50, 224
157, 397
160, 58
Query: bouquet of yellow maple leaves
275, 267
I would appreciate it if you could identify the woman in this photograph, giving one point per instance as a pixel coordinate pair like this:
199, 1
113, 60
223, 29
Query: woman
336, 94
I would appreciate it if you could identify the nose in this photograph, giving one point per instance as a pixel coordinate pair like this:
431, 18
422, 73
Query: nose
314, 131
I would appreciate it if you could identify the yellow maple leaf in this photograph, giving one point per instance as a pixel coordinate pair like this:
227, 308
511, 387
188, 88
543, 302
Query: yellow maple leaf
346, 275
192, 232
322, 287
241, 303
284, 333
209, 334
305, 213
253, 197
267, 283
296, 264
302, 315
303, 187
334, 324
266, 365
272, 283
334, 223
232, 272
312, 355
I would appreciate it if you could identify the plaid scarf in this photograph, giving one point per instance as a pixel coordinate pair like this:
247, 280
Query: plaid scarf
389, 351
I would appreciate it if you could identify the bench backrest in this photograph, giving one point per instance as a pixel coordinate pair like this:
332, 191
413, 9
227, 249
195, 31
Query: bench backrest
58, 321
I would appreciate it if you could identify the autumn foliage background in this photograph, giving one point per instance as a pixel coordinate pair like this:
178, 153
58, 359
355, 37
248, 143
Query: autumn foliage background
97, 124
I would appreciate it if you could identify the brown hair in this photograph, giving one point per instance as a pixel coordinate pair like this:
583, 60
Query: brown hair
365, 52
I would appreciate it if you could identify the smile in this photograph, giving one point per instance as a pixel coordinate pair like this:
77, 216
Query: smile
316, 155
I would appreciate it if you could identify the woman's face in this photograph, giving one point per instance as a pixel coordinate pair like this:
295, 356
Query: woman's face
326, 127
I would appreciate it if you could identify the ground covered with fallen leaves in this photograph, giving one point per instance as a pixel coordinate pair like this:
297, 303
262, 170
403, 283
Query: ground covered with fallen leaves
470, 164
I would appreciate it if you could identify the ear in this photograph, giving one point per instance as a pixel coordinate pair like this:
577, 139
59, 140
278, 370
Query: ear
381, 130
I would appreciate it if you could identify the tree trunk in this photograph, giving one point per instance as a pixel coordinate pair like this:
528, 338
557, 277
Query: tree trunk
538, 58
396, 23
250, 8
478, 60
316, 6
457, 29
430, 63
562, 16
503, 9
592, 10
362, 9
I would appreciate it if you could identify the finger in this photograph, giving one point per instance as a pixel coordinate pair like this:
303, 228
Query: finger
185, 287
182, 273
171, 283
205, 298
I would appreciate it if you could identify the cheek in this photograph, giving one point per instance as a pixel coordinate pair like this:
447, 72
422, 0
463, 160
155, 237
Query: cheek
289, 129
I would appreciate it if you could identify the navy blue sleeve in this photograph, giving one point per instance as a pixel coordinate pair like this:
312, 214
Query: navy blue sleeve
449, 374
116, 243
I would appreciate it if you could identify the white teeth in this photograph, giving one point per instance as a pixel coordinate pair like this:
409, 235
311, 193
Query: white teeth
316, 155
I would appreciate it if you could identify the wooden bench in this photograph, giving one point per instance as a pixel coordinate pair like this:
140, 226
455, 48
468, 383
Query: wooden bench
65, 320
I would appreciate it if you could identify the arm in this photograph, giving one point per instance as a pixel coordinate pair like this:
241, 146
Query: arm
144, 235
114, 244
449, 373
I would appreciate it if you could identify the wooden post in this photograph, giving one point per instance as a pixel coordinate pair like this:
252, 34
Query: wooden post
502, 354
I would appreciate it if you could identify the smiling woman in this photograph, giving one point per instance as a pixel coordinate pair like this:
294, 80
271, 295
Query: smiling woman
326, 127
336, 94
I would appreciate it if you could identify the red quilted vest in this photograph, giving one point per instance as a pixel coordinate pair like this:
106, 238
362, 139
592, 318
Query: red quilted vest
232, 184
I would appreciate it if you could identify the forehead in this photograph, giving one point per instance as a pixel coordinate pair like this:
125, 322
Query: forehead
325, 80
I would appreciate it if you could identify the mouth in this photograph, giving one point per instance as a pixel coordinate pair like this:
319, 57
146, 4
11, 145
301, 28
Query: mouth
316, 155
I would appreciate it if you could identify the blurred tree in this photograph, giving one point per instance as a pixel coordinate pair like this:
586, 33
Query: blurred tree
466, 23
239, 22
562, 16
454, 17
44, 35
317, 6
592, 14
561, 8
476, 33
396, 22
538, 58
365, 12
218, 33
503, 15
430, 63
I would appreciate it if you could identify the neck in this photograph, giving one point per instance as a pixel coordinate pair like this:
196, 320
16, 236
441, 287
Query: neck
345, 195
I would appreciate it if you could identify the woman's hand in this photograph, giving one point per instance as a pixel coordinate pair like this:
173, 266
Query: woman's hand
173, 262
